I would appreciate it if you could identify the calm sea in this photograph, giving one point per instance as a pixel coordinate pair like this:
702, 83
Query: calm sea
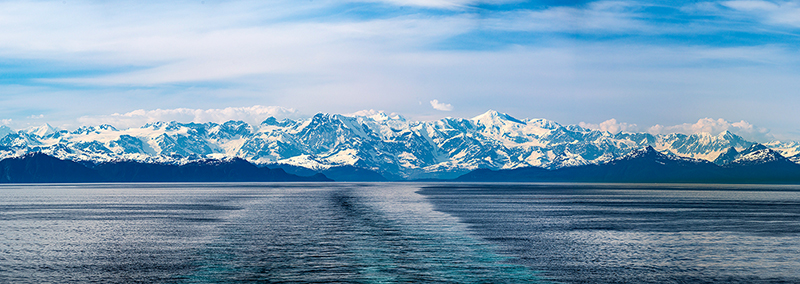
399, 233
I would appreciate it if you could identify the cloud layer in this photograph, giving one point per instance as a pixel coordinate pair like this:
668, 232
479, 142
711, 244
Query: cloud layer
612, 126
715, 127
703, 125
253, 115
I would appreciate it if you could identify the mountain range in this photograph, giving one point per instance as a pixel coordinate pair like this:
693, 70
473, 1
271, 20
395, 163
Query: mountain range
379, 146
756, 164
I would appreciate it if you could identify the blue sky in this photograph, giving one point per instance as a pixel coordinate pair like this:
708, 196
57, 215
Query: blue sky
658, 66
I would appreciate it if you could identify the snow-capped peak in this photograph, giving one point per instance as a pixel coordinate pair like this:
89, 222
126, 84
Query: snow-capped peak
644, 152
376, 115
493, 117
757, 154
5, 130
107, 127
41, 131
92, 129
568, 159
753, 148
377, 140
156, 125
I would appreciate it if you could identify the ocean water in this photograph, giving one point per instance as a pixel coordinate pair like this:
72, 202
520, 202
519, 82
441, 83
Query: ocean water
399, 233
629, 233
238, 233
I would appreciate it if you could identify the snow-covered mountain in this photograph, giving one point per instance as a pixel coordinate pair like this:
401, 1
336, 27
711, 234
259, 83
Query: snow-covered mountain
41, 131
389, 144
753, 155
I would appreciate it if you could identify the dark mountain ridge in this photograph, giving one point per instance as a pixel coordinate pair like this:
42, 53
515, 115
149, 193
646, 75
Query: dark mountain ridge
42, 168
756, 164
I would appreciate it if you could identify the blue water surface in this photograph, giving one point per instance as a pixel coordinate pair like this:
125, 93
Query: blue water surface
399, 233
235, 233
636, 233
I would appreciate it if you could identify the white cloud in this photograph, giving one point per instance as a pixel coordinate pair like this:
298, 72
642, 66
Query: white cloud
426, 3
365, 112
158, 43
441, 106
612, 126
705, 125
751, 5
602, 16
782, 13
442, 4
6, 121
715, 127
253, 115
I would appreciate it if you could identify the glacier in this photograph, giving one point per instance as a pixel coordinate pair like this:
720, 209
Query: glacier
397, 148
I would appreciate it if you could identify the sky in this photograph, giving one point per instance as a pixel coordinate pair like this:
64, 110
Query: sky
657, 66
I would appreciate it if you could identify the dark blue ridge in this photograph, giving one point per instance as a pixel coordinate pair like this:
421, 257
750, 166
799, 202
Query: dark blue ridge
645, 166
649, 166
42, 168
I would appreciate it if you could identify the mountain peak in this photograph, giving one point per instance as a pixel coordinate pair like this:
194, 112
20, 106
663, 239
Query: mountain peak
648, 151
272, 121
5, 130
756, 154
92, 129
107, 127
493, 117
41, 131
727, 157
753, 148
651, 156
155, 125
